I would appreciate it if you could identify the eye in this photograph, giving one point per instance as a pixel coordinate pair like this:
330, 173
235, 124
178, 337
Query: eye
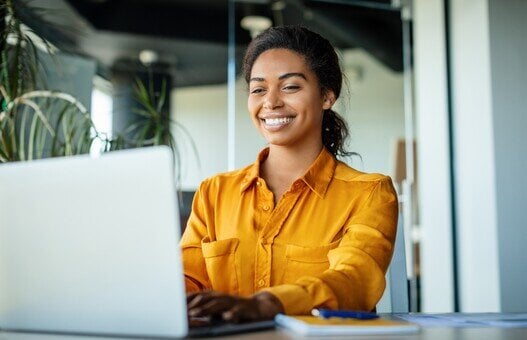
291, 88
256, 90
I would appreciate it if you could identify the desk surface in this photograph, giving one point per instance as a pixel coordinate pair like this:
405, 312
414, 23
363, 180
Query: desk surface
441, 332
425, 334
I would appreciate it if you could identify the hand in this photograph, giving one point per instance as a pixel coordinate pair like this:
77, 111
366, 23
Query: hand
261, 306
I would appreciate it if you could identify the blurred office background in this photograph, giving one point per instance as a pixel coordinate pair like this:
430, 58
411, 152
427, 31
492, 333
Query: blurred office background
435, 97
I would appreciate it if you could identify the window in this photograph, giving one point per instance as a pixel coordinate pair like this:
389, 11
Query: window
101, 114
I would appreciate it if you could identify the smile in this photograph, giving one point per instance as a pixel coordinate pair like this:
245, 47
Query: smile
278, 121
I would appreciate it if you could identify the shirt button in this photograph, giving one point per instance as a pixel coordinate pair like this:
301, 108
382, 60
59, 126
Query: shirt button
265, 207
261, 283
258, 183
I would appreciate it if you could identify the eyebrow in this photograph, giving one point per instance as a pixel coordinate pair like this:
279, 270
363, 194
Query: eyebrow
282, 77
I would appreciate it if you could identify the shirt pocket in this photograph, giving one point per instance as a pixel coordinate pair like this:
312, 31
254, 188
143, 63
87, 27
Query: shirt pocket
306, 261
220, 260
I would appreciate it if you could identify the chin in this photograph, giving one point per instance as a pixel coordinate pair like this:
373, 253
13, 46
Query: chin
282, 142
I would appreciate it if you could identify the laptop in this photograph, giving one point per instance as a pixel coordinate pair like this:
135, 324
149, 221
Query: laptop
91, 246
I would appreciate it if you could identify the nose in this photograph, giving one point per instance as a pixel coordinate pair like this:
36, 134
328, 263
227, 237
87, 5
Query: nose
272, 100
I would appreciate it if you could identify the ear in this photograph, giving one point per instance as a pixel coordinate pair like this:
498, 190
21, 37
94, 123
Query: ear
329, 99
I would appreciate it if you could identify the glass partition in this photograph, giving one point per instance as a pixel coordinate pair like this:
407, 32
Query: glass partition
374, 43
192, 50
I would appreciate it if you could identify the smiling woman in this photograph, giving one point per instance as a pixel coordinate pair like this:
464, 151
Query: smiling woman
297, 229
285, 100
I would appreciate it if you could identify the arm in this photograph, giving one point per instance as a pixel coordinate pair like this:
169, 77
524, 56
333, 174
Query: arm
201, 301
355, 278
196, 278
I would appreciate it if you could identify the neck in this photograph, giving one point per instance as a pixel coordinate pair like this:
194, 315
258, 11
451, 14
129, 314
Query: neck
288, 162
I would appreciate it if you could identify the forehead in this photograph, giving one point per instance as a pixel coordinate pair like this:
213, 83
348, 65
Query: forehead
278, 62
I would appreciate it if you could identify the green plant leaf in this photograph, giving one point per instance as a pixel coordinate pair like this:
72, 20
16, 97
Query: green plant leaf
142, 135
22, 135
32, 134
55, 143
142, 112
162, 96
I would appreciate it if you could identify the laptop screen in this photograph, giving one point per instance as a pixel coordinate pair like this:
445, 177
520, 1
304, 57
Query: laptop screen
92, 245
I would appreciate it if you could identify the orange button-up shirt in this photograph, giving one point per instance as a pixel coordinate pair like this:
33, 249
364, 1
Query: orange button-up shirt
327, 243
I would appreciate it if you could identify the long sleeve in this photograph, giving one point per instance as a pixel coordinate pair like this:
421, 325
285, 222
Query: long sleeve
355, 278
327, 242
196, 277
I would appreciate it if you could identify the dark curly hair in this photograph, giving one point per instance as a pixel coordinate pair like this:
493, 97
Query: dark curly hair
321, 58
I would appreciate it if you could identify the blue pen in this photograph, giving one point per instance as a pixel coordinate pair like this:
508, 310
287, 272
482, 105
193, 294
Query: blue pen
350, 314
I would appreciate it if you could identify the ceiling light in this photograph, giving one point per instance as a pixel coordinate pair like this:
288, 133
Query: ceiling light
148, 57
255, 24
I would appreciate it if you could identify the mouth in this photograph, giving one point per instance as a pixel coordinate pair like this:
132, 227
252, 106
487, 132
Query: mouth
277, 121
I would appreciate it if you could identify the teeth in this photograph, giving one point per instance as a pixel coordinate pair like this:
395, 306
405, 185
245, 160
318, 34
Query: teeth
278, 121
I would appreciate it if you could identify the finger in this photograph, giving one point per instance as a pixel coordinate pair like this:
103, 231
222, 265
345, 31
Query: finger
214, 306
234, 314
191, 296
200, 299
242, 311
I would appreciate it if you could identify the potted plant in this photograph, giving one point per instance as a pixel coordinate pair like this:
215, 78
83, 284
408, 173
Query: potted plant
34, 122
37, 123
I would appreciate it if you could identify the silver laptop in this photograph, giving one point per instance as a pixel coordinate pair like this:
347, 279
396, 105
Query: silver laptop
91, 246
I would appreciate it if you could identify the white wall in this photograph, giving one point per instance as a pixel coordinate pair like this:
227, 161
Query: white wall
374, 112
203, 113
508, 57
489, 58
373, 109
475, 187
432, 131
488, 84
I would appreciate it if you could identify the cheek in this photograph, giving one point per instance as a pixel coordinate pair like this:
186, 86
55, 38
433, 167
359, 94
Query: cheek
316, 112
253, 107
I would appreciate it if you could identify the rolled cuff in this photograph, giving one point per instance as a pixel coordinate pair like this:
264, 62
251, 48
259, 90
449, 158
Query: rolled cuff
294, 299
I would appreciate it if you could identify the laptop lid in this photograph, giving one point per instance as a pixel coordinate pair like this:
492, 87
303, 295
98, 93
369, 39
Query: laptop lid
91, 245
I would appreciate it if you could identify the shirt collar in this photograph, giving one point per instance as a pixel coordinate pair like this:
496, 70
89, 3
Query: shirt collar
320, 173
253, 172
317, 177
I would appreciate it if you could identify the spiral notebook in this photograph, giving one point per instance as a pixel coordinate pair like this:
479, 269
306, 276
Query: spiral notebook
315, 326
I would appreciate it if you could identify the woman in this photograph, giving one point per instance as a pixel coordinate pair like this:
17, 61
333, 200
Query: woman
297, 229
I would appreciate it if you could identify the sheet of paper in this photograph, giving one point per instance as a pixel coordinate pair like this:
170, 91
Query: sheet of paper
505, 320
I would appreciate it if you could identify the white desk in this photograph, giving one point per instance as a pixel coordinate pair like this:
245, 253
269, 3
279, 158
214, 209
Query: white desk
427, 333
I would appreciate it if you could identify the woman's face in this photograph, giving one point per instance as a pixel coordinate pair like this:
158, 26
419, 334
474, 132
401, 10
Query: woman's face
285, 100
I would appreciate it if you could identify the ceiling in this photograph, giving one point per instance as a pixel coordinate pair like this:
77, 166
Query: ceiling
191, 36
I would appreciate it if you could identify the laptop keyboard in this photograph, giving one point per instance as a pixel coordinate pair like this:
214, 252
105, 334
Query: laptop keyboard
201, 327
